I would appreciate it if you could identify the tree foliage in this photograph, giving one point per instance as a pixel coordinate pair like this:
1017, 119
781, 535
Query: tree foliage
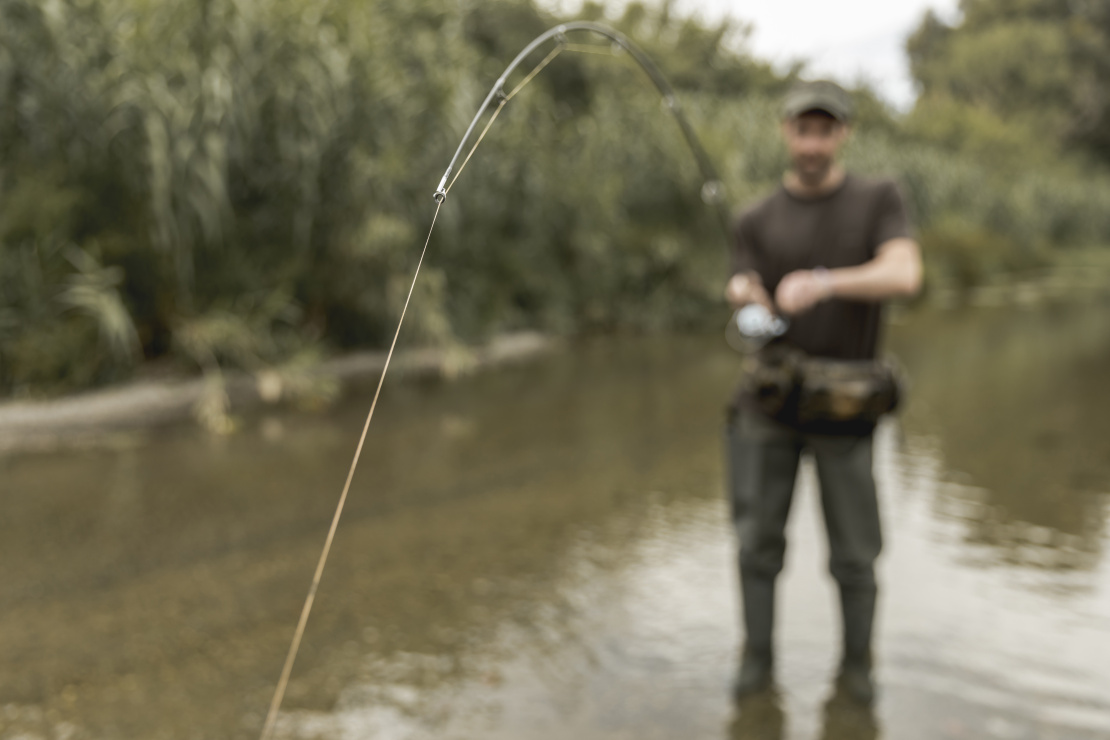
226, 182
1035, 71
247, 183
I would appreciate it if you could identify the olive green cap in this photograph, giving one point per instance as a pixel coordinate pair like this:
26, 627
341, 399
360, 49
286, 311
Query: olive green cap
820, 95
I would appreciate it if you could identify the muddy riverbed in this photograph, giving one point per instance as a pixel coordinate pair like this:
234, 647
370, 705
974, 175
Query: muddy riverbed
542, 552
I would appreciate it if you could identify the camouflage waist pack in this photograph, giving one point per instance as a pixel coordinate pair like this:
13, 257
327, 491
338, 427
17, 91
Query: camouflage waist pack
847, 390
789, 386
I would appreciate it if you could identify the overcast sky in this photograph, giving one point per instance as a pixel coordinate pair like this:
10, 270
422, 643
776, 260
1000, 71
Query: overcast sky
846, 40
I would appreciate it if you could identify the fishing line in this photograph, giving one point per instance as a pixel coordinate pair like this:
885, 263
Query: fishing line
279, 693
603, 51
711, 193
294, 647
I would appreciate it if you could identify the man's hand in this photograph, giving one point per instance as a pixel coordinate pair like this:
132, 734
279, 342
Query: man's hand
801, 290
744, 288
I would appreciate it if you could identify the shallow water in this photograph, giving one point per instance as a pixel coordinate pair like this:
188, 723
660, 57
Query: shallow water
542, 552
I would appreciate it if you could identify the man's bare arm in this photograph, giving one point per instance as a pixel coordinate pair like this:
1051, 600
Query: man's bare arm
894, 272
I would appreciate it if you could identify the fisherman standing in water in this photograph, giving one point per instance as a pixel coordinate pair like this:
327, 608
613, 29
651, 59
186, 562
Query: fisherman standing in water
824, 250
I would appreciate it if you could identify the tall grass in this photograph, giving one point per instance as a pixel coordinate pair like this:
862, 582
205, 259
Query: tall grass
244, 183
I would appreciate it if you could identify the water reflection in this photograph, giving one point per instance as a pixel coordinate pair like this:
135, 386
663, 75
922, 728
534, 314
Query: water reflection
1018, 410
758, 717
761, 717
845, 719
543, 552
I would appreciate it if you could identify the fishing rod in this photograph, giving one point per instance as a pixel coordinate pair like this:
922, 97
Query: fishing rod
712, 193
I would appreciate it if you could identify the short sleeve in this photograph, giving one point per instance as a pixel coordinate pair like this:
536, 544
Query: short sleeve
892, 221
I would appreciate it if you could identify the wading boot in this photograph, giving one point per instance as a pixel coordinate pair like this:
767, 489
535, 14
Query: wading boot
757, 663
754, 676
855, 680
858, 606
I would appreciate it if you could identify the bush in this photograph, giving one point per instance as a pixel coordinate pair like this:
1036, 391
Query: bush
243, 183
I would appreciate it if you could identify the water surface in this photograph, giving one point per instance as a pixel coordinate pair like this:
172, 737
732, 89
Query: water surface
543, 552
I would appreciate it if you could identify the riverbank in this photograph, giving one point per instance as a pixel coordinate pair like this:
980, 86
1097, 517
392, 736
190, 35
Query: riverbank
111, 416
103, 417
1077, 275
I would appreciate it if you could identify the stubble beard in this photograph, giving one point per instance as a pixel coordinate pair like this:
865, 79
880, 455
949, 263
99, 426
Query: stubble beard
812, 172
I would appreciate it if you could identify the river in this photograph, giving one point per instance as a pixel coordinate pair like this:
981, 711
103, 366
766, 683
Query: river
542, 552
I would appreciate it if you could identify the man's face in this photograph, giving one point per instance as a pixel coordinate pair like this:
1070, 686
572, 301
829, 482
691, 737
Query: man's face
813, 139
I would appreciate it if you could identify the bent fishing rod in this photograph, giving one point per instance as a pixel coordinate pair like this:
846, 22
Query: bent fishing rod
712, 193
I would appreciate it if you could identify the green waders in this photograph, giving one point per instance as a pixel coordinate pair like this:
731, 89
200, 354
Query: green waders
763, 458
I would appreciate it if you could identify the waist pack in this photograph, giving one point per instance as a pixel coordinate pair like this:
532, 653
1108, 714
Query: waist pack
788, 385
847, 390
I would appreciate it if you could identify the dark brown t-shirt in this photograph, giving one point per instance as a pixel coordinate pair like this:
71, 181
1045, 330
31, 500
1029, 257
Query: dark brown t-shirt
844, 228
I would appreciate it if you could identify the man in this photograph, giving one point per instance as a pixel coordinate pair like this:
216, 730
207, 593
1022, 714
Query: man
825, 249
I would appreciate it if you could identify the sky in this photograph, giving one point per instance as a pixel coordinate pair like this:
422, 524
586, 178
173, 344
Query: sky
846, 40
